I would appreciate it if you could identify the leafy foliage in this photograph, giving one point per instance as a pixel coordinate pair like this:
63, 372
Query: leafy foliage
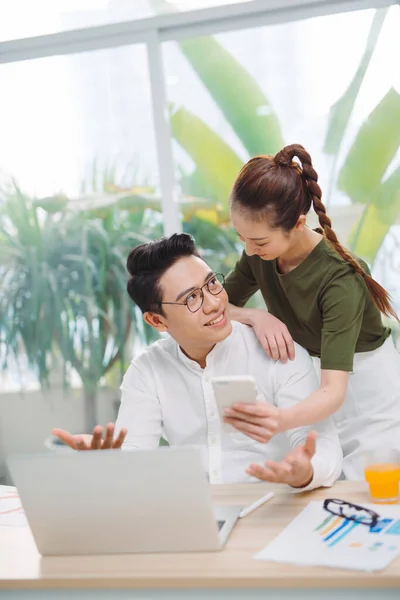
63, 285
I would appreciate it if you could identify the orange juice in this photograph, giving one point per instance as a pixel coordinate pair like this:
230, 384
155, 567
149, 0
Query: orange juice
383, 479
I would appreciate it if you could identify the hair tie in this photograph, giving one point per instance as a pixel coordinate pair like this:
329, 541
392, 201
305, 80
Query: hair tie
282, 160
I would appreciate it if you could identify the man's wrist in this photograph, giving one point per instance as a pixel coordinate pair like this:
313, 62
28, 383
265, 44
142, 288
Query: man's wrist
306, 480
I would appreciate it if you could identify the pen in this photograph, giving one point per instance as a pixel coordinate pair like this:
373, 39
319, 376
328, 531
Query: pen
248, 509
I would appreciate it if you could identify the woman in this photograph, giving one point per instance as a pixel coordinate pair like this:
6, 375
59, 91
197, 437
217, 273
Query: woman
327, 301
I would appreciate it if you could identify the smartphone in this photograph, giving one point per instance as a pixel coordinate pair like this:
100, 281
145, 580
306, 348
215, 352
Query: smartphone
230, 389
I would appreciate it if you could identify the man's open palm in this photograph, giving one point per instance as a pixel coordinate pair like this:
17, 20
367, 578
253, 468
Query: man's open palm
84, 441
295, 469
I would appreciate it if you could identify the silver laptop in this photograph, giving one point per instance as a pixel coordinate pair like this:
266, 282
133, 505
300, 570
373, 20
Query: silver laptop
110, 501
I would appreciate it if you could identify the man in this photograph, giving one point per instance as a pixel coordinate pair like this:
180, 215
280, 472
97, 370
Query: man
167, 390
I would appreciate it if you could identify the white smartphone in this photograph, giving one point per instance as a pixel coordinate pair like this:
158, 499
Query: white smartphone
233, 388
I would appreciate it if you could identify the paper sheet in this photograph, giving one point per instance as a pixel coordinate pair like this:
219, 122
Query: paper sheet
315, 537
11, 511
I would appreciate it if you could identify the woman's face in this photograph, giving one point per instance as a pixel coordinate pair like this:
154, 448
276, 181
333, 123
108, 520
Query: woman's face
261, 239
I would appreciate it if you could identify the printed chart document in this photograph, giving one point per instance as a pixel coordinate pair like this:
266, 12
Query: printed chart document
318, 538
11, 511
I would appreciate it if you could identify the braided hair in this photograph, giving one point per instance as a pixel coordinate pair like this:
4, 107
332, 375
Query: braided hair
281, 189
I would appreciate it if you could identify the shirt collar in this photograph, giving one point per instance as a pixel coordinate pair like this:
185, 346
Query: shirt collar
213, 356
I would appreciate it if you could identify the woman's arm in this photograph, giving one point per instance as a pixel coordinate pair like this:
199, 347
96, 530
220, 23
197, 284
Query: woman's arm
272, 334
319, 405
247, 316
342, 308
289, 384
240, 283
262, 421
342, 305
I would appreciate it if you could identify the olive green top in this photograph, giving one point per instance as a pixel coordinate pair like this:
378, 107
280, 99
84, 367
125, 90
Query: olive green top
325, 305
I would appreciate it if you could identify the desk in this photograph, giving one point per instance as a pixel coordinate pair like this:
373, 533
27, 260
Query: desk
231, 573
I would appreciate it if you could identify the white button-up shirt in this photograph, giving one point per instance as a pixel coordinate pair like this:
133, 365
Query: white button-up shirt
165, 393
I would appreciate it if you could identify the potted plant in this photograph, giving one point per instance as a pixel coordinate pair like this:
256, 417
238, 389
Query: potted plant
63, 287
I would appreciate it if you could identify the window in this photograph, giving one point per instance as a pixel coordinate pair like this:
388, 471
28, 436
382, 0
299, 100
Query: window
51, 16
331, 83
79, 189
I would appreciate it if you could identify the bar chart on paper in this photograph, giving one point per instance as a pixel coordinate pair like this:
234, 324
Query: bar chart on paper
316, 537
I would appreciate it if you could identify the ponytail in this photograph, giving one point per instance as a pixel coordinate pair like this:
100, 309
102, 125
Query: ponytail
310, 179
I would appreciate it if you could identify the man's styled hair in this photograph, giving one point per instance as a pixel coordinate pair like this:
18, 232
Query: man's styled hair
147, 263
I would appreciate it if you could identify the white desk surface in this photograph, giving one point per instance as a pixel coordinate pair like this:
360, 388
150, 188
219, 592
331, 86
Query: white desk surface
233, 569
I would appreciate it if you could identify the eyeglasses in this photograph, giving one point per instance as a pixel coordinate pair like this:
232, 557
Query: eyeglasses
194, 300
351, 512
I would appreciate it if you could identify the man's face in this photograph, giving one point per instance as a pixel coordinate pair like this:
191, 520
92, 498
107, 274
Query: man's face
208, 325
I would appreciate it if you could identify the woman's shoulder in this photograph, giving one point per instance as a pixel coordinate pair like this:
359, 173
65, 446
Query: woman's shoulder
337, 262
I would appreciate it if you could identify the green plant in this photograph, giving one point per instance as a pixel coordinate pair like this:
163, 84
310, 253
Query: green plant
250, 115
63, 277
218, 245
341, 111
63, 286
362, 174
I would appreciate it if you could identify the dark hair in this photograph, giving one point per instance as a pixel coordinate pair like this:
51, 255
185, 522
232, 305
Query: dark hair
147, 263
282, 190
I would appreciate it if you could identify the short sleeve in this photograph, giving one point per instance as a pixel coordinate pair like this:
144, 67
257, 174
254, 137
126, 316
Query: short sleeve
240, 283
342, 307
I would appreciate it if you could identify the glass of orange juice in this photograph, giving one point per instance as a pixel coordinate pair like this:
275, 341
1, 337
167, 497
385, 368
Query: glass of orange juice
382, 472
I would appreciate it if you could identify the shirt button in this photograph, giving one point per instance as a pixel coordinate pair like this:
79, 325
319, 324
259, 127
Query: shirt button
214, 440
215, 473
212, 414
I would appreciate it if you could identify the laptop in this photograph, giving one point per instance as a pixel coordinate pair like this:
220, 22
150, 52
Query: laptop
110, 501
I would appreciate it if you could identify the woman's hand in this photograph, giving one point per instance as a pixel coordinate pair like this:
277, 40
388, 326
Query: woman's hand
260, 421
272, 334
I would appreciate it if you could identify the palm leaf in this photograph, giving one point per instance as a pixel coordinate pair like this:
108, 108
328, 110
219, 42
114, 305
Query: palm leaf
340, 112
237, 94
373, 149
369, 233
63, 287
215, 160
